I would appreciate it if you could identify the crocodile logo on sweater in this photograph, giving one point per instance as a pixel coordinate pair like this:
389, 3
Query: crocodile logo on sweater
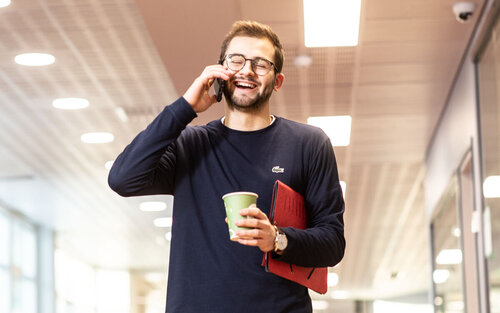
278, 169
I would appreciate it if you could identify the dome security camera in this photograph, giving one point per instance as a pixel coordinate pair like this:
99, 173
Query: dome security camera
464, 10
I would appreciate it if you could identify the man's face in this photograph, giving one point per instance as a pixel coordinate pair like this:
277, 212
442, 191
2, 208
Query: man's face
247, 91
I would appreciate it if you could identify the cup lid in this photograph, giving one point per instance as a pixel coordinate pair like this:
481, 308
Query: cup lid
240, 193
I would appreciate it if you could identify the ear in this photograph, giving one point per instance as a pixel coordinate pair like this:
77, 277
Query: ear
278, 81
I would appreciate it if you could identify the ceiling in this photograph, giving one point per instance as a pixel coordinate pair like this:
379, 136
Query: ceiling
138, 56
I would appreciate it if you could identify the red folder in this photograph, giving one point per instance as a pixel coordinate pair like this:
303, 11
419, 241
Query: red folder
288, 210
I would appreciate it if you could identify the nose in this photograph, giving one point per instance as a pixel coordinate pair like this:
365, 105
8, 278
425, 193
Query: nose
247, 68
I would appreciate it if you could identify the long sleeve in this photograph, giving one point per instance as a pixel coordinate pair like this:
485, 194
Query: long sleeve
322, 243
147, 164
199, 165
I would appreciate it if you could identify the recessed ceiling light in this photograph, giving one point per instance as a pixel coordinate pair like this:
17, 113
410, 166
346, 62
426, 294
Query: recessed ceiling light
338, 128
34, 59
440, 276
449, 256
491, 187
333, 279
109, 164
163, 222
438, 301
152, 206
97, 137
4, 3
331, 23
70, 103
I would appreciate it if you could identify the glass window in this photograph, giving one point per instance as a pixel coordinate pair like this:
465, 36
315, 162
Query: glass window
24, 296
73, 297
489, 102
24, 249
18, 263
98, 290
4, 290
447, 272
4, 240
113, 291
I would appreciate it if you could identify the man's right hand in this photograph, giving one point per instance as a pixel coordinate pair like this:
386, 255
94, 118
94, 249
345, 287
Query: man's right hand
198, 94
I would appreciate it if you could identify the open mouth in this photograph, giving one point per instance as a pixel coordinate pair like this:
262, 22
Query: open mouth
245, 85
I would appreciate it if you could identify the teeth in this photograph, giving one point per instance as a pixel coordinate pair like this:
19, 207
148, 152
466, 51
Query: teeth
246, 85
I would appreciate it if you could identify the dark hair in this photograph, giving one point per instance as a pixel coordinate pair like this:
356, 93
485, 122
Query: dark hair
258, 30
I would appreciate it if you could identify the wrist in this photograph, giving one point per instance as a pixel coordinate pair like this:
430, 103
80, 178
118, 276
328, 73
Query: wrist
280, 240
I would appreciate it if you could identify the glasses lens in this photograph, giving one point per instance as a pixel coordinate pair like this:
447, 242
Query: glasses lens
235, 62
261, 66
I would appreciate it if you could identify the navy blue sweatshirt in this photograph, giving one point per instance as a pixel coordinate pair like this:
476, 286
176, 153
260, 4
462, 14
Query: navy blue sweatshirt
198, 165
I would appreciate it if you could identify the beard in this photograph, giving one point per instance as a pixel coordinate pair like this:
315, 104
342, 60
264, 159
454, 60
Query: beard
245, 103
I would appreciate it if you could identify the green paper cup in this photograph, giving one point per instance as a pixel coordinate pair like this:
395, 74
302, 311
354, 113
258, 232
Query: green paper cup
234, 202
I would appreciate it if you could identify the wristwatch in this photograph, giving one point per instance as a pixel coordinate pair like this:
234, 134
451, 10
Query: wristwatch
280, 241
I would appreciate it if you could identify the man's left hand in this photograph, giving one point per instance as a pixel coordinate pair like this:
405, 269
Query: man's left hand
261, 233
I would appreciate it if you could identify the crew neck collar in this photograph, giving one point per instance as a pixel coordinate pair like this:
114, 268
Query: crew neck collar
273, 119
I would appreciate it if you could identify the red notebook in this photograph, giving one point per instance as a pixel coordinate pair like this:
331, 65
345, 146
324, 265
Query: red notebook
288, 210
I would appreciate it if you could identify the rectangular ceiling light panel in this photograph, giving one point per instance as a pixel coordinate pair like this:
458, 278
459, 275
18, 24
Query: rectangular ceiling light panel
331, 23
338, 128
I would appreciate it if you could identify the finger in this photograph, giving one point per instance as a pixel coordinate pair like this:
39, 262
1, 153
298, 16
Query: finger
252, 234
249, 242
217, 71
250, 223
255, 212
256, 243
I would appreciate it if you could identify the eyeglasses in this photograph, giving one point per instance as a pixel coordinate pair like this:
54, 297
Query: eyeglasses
260, 66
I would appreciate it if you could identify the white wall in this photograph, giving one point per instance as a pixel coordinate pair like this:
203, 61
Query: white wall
45, 248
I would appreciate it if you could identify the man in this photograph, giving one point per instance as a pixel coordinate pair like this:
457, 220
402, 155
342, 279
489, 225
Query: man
247, 150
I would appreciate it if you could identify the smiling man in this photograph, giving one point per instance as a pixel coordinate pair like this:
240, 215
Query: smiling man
248, 149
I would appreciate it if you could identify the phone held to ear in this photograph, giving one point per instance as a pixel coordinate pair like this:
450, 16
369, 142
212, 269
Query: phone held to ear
219, 88
219, 85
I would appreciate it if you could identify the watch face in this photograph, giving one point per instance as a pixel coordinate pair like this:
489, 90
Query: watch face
282, 242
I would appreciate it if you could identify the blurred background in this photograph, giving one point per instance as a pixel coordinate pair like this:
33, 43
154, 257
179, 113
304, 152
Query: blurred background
419, 156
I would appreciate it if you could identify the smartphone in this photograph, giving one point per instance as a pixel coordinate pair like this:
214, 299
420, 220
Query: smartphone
219, 88
219, 85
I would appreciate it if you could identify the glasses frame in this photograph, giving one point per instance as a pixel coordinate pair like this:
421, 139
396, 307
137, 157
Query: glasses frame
227, 58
